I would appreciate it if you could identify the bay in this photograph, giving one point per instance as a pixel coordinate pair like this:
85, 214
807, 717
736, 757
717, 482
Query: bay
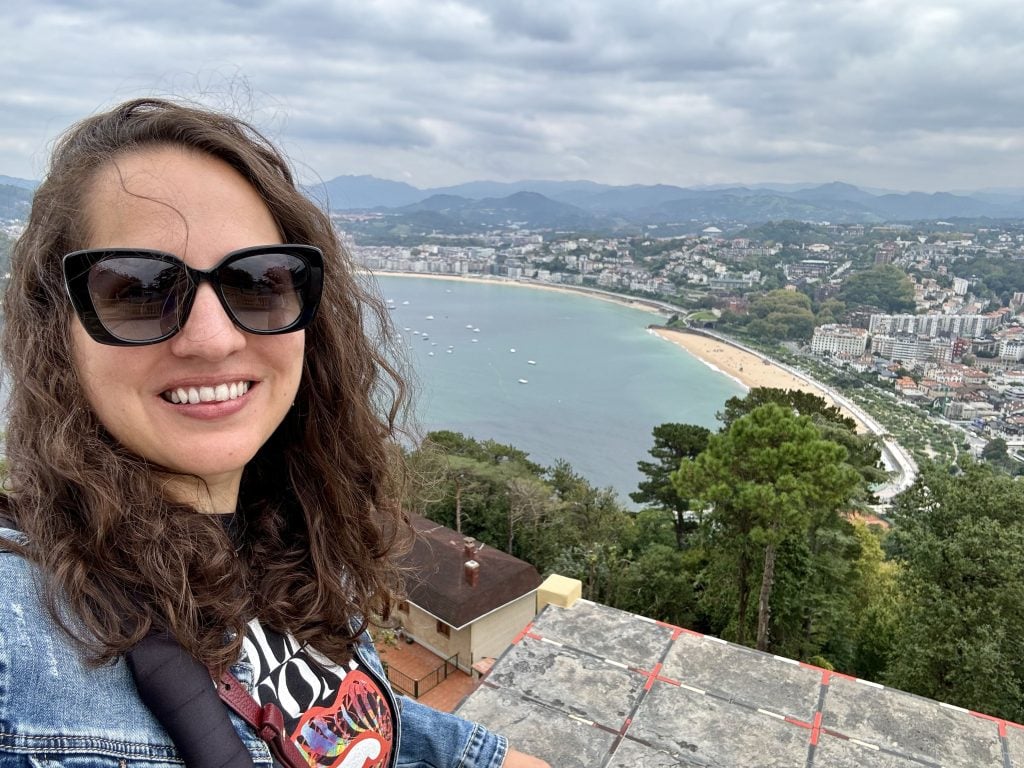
598, 384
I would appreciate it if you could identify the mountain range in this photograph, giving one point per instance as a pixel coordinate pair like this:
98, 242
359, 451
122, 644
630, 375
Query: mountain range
586, 204
589, 206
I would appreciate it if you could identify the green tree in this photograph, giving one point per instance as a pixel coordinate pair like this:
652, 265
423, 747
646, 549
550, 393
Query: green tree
995, 450
863, 450
766, 479
960, 637
884, 286
800, 402
672, 444
780, 315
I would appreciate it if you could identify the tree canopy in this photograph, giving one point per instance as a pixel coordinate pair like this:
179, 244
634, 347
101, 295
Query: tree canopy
769, 481
672, 444
885, 287
960, 637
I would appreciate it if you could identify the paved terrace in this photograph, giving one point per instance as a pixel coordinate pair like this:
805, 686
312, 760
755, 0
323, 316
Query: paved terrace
593, 686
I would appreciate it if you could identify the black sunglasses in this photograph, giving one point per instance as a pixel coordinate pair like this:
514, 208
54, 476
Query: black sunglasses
131, 297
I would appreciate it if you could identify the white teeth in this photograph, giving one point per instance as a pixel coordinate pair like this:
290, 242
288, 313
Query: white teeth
207, 394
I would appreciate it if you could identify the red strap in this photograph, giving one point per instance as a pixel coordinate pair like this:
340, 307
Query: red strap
267, 720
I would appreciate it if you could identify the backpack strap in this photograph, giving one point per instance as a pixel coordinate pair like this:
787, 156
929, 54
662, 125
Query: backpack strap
267, 721
177, 690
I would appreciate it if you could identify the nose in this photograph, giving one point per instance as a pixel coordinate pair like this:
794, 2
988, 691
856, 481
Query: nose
208, 332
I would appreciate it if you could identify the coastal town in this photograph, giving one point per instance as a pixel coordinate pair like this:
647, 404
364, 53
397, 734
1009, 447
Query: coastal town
953, 353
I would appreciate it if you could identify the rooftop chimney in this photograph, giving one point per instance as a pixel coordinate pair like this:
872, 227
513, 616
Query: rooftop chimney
468, 547
471, 570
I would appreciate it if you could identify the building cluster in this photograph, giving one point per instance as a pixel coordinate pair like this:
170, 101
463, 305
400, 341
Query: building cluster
708, 262
966, 365
961, 357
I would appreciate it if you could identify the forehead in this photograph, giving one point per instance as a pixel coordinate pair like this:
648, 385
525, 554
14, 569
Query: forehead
176, 200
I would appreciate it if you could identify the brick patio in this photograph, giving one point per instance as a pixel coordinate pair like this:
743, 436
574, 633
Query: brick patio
415, 661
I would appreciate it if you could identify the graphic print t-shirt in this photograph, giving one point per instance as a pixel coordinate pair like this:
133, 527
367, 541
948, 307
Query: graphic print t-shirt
336, 716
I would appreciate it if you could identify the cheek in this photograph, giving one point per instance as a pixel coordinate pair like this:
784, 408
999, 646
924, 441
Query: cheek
103, 373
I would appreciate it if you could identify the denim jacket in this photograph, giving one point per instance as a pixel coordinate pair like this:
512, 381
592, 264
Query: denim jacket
56, 712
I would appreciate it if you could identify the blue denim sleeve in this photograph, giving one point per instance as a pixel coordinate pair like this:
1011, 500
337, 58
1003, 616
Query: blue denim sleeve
432, 739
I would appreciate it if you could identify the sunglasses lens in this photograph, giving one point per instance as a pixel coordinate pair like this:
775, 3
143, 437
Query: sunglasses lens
136, 299
266, 291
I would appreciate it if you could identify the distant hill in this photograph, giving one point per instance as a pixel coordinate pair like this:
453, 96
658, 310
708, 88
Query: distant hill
529, 209
346, 193
13, 181
605, 206
588, 205
14, 201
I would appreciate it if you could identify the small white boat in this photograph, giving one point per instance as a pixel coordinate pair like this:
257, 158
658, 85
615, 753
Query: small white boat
449, 351
407, 329
430, 354
476, 330
404, 303
469, 325
430, 317
475, 340
433, 343
531, 362
512, 350
523, 381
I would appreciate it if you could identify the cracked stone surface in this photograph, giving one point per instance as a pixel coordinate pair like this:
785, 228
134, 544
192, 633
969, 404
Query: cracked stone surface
541, 731
911, 725
584, 695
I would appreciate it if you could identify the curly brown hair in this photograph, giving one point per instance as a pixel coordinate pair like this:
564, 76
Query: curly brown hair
319, 503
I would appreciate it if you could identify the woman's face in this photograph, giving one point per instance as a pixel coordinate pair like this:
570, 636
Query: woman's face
198, 208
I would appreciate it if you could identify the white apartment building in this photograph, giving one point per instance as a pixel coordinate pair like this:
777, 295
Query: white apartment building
911, 350
839, 341
966, 326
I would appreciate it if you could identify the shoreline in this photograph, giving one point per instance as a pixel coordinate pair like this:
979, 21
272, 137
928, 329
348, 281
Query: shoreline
749, 368
594, 293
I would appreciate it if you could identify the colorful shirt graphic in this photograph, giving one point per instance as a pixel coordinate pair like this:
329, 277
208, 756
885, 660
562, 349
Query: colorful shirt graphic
337, 717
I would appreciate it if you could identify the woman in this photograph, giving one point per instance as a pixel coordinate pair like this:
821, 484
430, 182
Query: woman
200, 459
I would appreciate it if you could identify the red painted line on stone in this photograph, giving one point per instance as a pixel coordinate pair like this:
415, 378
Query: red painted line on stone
653, 676
525, 633
983, 716
794, 721
816, 729
850, 678
837, 734
625, 726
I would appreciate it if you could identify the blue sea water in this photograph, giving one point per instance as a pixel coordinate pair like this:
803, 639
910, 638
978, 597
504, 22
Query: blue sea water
599, 384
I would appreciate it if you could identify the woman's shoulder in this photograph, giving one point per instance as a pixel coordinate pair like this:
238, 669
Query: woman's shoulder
16, 571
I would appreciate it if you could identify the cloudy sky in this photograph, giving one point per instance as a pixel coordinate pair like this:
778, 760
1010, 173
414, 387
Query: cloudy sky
897, 94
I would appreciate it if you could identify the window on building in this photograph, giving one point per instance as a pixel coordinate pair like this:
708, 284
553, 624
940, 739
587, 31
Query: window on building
443, 629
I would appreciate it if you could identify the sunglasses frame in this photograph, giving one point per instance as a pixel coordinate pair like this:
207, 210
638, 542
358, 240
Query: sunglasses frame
78, 264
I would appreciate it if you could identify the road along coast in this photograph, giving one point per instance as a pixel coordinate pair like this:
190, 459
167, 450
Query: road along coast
753, 369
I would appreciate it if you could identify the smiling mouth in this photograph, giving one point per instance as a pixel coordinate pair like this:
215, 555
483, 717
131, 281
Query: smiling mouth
217, 394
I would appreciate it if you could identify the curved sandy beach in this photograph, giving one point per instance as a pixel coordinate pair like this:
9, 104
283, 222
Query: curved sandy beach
749, 368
